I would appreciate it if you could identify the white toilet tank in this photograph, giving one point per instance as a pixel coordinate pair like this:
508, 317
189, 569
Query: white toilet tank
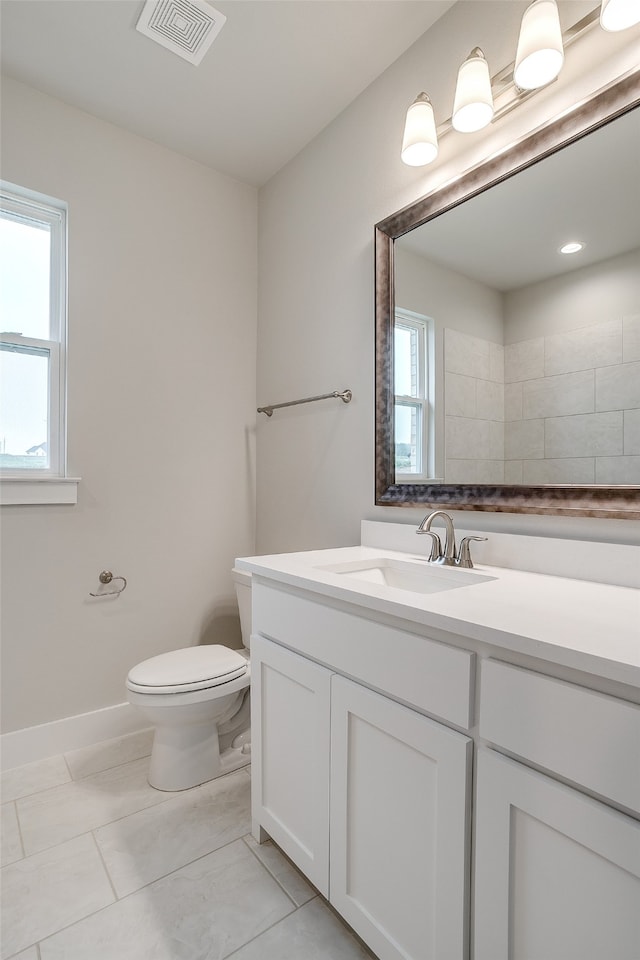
242, 580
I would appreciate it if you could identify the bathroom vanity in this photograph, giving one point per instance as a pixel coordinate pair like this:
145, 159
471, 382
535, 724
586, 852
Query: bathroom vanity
452, 757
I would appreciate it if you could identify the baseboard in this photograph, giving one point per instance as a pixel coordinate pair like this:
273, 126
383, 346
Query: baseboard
60, 736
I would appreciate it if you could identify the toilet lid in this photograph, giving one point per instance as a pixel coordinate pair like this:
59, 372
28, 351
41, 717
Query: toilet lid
193, 668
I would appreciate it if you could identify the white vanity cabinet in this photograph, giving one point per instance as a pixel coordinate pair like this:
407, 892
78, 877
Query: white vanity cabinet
290, 708
557, 872
364, 728
398, 826
369, 797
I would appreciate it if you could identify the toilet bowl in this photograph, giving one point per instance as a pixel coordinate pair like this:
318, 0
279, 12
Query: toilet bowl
198, 700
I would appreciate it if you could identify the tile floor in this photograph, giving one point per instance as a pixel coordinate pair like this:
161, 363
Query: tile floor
97, 865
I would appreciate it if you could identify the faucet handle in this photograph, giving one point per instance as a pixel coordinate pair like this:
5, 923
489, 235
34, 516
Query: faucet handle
436, 545
464, 553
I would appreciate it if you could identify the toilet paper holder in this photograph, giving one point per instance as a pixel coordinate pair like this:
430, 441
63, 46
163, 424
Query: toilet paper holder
107, 577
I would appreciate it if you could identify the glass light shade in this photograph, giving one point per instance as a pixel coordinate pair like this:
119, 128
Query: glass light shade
473, 103
540, 54
619, 14
420, 141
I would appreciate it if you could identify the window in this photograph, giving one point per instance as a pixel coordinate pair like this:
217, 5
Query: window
33, 298
413, 388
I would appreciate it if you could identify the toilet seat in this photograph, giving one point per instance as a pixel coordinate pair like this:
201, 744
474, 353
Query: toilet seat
187, 670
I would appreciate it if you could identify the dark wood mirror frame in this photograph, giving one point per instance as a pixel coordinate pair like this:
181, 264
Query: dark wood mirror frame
568, 500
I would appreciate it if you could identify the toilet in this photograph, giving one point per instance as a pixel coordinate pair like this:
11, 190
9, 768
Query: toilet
198, 700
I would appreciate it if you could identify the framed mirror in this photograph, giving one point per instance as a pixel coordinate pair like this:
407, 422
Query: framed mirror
507, 372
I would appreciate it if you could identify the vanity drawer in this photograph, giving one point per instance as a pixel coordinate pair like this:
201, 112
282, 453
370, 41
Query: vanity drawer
422, 673
587, 737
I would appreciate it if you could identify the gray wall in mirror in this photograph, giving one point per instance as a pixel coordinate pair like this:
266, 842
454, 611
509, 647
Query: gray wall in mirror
537, 354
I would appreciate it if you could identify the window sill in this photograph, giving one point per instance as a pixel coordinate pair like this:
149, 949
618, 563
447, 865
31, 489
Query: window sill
38, 490
417, 478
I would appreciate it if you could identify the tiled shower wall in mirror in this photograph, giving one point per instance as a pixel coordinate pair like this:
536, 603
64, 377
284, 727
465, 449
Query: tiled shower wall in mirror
560, 401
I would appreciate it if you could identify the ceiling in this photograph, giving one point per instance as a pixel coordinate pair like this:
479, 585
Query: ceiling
508, 237
276, 75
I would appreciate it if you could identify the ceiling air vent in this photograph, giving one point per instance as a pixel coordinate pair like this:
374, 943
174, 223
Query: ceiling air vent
186, 27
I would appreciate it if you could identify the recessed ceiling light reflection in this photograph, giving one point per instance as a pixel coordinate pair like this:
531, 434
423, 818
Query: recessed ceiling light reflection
574, 246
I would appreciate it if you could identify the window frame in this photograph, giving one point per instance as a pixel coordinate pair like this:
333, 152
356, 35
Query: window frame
424, 401
49, 484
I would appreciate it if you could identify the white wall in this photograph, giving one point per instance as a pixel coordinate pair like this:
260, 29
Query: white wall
605, 291
162, 318
453, 300
316, 310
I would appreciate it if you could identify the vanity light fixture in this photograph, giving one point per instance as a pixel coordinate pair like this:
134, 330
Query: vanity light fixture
540, 53
420, 141
539, 59
473, 104
619, 14
573, 246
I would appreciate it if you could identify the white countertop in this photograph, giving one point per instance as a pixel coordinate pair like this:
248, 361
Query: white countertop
586, 626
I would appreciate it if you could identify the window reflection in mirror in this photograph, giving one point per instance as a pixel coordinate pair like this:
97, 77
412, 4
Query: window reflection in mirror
413, 359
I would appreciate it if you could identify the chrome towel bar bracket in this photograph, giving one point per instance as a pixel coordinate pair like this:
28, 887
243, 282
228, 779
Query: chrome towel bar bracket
344, 395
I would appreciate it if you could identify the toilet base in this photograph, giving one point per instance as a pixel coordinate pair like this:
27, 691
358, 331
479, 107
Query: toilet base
186, 757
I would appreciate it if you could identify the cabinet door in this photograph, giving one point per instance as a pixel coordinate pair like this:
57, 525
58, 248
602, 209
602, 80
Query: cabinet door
290, 717
557, 873
399, 826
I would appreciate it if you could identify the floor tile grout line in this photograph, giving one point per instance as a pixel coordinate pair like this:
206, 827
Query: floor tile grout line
42, 789
271, 874
20, 837
36, 947
181, 867
72, 779
68, 926
98, 826
104, 769
96, 773
138, 890
176, 869
266, 930
240, 947
169, 796
106, 906
243, 837
110, 740
66, 763
104, 864
27, 796
37, 943
344, 923
63, 754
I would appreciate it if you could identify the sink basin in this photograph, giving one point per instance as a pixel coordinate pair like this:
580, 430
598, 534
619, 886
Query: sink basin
418, 576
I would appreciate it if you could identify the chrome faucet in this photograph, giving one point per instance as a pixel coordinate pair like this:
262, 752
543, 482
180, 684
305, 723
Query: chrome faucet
449, 557
437, 556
